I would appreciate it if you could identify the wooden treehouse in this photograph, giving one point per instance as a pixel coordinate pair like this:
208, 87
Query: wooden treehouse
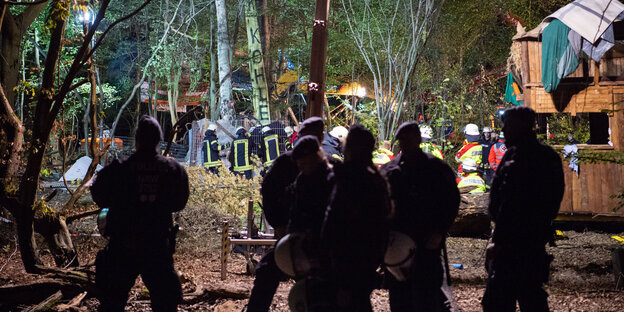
596, 89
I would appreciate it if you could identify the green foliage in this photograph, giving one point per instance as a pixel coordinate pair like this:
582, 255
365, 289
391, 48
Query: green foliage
562, 125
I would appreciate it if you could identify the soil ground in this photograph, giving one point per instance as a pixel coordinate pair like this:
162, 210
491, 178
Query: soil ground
581, 274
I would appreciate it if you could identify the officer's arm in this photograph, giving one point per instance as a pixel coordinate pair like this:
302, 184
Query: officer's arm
492, 157
214, 145
181, 190
104, 188
272, 190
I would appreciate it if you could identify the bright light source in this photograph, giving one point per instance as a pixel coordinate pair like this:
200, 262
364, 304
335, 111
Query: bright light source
361, 92
86, 16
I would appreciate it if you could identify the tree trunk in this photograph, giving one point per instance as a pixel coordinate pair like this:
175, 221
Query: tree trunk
13, 29
223, 50
316, 86
213, 66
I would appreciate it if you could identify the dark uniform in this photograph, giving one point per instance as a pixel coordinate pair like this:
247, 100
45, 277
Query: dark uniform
269, 148
276, 203
141, 193
426, 202
487, 173
210, 152
355, 231
240, 155
331, 147
526, 193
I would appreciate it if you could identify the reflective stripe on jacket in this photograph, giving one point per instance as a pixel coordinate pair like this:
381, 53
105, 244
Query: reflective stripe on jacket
271, 149
432, 149
496, 154
470, 150
210, 153
473, 180
241, 155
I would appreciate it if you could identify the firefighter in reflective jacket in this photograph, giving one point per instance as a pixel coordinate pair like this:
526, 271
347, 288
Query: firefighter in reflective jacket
471, 148
269, 149
497, 152
470, 181
427, 145
210, 150
239, 154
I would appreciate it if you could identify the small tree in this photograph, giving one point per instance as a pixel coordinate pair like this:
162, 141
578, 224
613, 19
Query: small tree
390, 36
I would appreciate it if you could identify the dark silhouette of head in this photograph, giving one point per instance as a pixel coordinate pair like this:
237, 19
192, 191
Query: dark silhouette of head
308, 154
312, 126
518, 124
408, 135
359, 146
148, 134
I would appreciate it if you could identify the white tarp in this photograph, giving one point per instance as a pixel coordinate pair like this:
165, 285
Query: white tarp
79, 169
589, 18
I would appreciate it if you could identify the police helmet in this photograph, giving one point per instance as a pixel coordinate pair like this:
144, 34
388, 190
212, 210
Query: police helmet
469, 165
426, 132
102, 220
399, 255
471, 129
340, 133
290, 256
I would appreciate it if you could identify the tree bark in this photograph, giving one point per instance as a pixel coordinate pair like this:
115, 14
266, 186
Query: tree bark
13, 29
213, 66
316, 85
223, 50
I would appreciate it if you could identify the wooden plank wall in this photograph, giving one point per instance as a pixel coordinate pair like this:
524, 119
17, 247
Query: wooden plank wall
593, 99
590, 192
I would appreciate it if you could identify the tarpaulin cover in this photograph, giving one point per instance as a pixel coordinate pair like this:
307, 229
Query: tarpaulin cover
511, 91
589, 18
558, 57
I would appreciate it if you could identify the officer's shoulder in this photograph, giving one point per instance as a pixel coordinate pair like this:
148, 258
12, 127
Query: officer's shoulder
169, 163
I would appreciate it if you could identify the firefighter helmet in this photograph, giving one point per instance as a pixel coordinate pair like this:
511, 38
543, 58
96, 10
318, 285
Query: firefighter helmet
288, 130
212, 127
399, 255
471, 129
340, 133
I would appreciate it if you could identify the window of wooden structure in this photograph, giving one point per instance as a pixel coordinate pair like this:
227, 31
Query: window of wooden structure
584, 128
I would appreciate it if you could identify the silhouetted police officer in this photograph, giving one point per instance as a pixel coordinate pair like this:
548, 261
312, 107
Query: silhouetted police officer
141, 193
355, 230
526, 193
240, 154
426, 202
276, 207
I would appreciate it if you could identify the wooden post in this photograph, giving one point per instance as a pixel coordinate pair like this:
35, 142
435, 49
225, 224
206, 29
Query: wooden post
224, 250
526, 74
316, 84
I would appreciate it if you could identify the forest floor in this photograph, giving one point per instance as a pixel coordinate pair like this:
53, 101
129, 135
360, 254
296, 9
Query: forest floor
581, 273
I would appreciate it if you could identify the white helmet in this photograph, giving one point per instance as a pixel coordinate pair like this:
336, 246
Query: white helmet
212, 127
469, 165
290, 256
399, 255
471, 129
266, 129
288, 130
486, 129
501, 135
426, 132
340, 132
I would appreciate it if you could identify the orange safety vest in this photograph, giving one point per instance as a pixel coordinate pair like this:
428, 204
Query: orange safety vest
496, 154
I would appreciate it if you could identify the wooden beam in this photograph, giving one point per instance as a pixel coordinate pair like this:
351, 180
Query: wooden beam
316, 84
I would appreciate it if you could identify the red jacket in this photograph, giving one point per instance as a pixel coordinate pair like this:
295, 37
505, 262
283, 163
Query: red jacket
496, 154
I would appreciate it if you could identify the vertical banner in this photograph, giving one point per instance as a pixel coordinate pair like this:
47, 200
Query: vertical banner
256, 64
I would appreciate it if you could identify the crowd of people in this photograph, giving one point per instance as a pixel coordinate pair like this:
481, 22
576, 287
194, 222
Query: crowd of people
341, 224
